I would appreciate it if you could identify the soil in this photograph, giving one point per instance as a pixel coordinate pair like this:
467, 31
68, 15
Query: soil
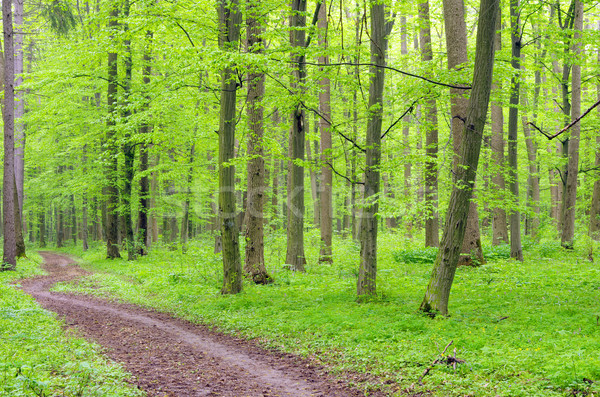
170, 357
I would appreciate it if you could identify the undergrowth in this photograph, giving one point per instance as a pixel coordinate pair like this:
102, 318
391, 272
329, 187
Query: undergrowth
38, 359
522, 329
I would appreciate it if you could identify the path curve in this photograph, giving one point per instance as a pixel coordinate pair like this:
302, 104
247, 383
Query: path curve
175, 358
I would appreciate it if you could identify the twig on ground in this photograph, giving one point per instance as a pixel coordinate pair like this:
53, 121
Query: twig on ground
436, 361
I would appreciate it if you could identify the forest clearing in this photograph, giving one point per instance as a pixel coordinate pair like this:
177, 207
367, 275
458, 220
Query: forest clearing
335, 198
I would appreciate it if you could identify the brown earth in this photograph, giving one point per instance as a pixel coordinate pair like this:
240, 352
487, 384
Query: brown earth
175, 358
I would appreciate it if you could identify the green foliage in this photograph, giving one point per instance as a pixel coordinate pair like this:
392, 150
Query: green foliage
525, 329
37, 359
416, 255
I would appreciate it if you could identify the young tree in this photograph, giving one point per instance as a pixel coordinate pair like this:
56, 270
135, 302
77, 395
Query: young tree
438, 291
230, 19
9, 261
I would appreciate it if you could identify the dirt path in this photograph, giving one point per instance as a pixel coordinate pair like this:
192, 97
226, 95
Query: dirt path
175, 358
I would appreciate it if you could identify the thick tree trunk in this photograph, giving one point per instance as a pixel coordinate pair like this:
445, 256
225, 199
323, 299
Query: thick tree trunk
367, 275
229, 35
20, 241
254, 265
295, 212
438, 290
9, 260
456, 43
112, 201
432, 238
516, 250
570, 193
326, 199
19, 104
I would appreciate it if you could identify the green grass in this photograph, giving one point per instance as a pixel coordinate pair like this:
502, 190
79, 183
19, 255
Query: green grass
38, 359
523, 329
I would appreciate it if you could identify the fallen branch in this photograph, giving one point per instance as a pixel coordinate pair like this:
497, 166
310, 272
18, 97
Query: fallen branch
439, 359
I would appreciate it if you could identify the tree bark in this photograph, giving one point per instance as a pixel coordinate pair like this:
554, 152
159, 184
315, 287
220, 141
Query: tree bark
230, 19
570, 193
516, 250
438, 291
295, 212
326, 198
367, 275
432, 238
254, 265
595, 207
533, 179
456, 43
19, 104
499, 222
185, 221
112, 218
9, 260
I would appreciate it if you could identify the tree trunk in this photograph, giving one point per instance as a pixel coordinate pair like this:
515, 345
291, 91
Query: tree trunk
499, 222
20, 241
42, 224
595, 207
9, 260
315, 186
19, 104
570, 193
254, 265
456, 43
432, 238
295, 212
516, 250
438, 290
229, 35
185, 222
326, 199
533, 179
367, 275
112, 201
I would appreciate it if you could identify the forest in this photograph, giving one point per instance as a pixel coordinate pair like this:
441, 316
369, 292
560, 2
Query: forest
314, 176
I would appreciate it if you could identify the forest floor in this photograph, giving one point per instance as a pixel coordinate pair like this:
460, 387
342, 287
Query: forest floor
172, 357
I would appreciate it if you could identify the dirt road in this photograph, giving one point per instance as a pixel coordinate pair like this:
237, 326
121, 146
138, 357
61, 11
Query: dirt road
175, 358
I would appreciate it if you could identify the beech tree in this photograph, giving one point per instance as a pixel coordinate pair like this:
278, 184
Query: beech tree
230, 19
9, 261
438, 290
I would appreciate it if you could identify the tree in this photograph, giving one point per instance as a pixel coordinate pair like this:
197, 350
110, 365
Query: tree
112, 219
499, 223
254, 265
432, 238
516, 251
456, 43
295, 212
326, 196
438, 291
570, 193
230, 19
594, 228
367, 275
9, 261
